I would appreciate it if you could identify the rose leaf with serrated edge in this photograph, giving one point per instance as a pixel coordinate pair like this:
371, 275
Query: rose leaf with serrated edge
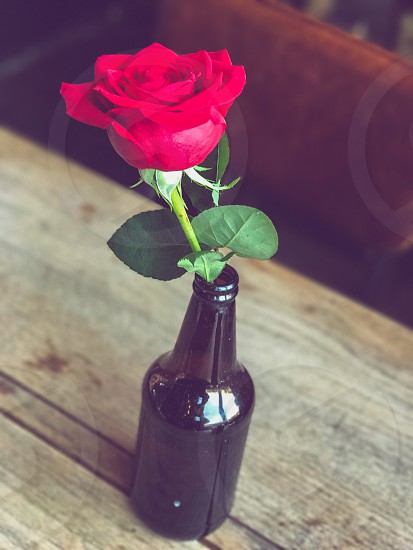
151, 243
245, 230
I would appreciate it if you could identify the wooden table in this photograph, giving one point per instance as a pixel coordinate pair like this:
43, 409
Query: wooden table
328, 462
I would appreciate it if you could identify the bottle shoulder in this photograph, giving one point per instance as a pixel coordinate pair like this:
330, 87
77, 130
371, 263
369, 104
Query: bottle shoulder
192, 403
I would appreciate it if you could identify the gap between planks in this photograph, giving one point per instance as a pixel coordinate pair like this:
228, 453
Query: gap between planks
80, 442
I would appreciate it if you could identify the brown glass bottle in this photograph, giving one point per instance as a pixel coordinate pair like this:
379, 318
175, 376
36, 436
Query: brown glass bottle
197, 402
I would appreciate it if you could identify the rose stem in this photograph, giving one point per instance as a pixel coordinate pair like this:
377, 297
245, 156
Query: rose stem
179, 209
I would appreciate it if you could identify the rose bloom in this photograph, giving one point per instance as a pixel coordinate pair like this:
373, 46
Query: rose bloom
160, 110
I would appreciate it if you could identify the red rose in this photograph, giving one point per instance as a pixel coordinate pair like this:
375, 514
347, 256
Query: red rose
161, 110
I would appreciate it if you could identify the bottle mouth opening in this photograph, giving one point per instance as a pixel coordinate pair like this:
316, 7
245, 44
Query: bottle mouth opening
223, 289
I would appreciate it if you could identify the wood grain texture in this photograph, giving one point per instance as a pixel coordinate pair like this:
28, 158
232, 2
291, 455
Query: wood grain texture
329, 458
49, 501
79, 442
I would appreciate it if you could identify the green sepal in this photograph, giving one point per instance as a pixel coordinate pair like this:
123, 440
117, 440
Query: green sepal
223, 156
200, 180
166, 183
136, 184
148, 176
207, 263
215, 197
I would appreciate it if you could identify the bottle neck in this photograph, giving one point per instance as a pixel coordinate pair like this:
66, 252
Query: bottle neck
206, 345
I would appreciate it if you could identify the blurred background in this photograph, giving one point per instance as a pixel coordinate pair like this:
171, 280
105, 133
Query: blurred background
385, 22
319, 116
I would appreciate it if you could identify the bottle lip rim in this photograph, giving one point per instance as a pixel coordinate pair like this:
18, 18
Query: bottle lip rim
221, 292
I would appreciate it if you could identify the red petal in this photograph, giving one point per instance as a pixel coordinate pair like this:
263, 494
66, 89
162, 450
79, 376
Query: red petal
153, 55
121, 101
231, 88
126, 146
153, 146
167, 95
105, 63
205, 98
172, 121
222, 56
82, 104
201, 63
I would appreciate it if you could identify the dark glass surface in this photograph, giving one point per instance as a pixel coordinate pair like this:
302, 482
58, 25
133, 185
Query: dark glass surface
197, 402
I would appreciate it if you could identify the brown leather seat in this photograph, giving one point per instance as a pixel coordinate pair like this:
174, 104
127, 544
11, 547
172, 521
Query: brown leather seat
328, 115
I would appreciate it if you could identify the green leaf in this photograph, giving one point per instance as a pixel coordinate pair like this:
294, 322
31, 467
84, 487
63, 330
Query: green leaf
166, 183
207, 263
245, 230
201, 168
151, 243
223, 156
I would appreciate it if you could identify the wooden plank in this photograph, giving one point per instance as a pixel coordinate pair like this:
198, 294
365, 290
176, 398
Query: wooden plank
49, 502
78, 441
76, 438
329, 456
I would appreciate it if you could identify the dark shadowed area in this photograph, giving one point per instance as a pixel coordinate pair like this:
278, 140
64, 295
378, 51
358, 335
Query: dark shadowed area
306, 84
